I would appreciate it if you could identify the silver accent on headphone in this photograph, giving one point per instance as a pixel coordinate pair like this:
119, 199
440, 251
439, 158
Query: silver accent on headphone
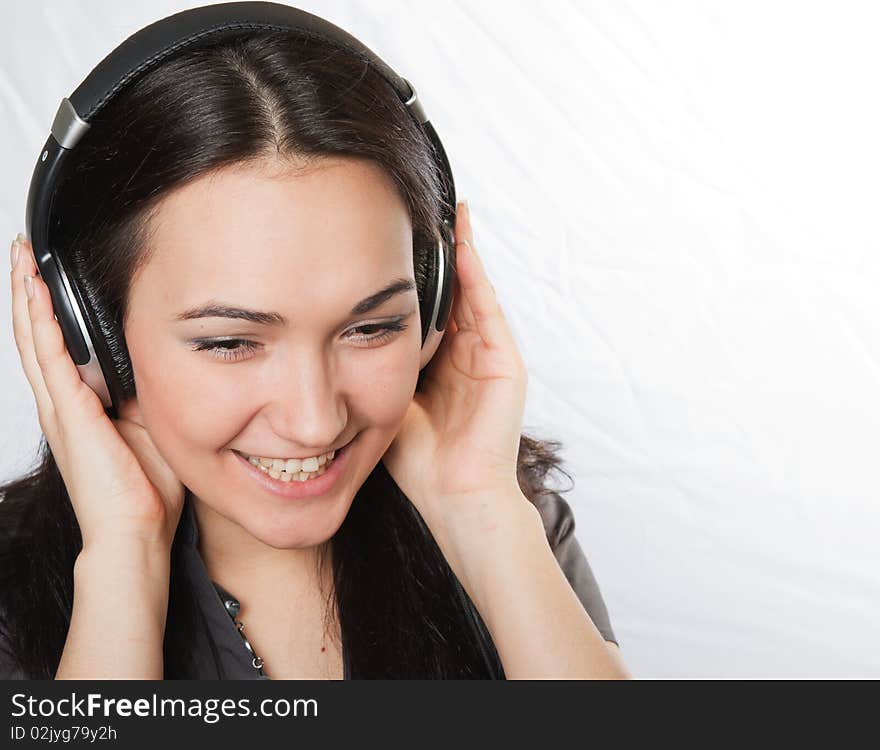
415, 105
441, 277
91, 371
68, 127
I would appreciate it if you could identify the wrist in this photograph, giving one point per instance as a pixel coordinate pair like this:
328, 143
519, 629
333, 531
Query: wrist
486, 514
485, 531
125, 560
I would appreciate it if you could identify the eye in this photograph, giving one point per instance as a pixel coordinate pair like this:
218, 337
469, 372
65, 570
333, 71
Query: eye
226, 349
233, 350
388, 330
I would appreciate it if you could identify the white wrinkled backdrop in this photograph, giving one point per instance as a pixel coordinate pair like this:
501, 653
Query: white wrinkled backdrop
678, 209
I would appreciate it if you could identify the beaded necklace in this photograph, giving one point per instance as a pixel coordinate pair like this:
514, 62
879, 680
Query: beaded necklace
233, 606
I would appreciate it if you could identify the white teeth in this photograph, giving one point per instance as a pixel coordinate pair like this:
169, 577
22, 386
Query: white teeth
293, 470
293, 464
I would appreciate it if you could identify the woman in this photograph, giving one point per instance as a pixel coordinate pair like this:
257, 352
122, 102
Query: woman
284, 494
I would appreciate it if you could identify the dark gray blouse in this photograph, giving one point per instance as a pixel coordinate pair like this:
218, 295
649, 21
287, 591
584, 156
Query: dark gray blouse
220, 650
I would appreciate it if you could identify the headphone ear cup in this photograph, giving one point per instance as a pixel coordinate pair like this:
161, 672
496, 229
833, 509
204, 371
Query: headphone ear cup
436, 302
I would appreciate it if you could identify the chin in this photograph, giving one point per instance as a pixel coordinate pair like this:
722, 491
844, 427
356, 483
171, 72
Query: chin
297, 527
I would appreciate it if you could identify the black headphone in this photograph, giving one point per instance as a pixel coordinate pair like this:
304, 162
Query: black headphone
140, 52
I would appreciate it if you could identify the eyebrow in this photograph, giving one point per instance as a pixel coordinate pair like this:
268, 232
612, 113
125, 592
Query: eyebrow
214, 309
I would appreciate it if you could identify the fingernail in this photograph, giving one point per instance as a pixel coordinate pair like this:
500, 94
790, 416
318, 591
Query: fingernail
16, 246
28, 286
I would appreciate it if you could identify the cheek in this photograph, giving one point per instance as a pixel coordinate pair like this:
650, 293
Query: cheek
385, 390
184, 410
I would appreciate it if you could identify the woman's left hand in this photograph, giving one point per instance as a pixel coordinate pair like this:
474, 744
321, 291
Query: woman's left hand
458, 445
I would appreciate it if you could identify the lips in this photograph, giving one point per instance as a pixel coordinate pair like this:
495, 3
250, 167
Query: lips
313, 488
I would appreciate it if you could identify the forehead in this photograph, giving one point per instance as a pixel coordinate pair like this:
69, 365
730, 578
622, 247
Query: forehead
336, 230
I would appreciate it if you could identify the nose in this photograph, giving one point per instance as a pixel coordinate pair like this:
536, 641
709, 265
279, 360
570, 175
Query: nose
307, 406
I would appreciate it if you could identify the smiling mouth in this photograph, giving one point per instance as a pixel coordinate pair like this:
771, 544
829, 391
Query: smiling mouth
301, 486
284, 476
299, 476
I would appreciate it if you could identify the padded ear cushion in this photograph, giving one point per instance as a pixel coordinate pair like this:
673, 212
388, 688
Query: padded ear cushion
107, 338
426, 282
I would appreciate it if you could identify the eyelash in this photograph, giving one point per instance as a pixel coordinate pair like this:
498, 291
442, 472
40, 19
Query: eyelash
218, 348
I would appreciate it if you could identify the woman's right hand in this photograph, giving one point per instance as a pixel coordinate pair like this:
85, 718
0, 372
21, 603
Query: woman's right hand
120, 487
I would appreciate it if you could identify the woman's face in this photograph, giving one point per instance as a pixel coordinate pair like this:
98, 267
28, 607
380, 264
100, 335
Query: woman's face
303, 250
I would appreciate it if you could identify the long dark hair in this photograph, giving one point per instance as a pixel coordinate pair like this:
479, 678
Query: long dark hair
220, 104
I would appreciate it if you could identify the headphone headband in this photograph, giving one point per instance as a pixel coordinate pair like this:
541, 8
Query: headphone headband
152, 44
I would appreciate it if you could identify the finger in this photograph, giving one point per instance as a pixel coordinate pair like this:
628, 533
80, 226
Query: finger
21, 330
69, 394
478, 290
461, 310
